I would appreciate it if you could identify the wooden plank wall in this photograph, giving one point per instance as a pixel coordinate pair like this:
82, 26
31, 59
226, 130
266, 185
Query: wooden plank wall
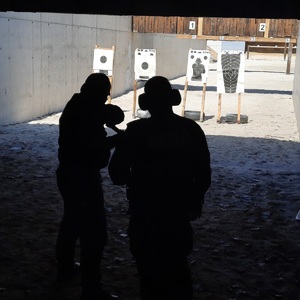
278, 28
171, 25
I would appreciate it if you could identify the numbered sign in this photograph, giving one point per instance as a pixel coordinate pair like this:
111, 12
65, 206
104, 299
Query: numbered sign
262, 27
103, 61
192, 25
145, 64
230, 72
198, 64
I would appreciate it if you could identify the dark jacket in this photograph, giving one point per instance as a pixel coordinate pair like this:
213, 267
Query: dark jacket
165, 163
82, 136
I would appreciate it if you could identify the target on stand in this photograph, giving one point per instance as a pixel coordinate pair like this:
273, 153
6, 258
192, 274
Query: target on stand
198, 64
230, 72
145, 64
103, 61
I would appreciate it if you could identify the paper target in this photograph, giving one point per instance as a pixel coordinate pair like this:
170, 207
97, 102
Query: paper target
145, 64
103, 61
198, 65
230, 72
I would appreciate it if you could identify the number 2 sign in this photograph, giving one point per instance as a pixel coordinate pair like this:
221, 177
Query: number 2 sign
262, 27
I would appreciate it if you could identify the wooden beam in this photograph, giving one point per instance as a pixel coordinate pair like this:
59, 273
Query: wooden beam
219, 107
237, 38
288, 66
184, 97
266, 33
200, 26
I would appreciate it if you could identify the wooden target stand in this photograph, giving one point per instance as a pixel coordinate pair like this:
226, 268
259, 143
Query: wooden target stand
110, 77
109, 96
134, 98
239, 108
135, 84
203, 100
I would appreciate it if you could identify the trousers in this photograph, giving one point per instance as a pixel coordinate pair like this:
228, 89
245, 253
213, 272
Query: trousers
83, 219
160, 249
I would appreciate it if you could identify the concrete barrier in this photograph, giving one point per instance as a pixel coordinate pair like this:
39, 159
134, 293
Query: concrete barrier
46, 57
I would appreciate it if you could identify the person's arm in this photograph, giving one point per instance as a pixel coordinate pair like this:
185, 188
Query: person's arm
119, 165
203, 169
202, 176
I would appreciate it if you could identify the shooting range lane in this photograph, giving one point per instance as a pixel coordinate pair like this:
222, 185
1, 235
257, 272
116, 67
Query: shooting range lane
247, 241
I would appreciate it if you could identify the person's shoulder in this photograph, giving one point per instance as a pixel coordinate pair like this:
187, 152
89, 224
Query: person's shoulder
137, 127
189, 124
74, 100
187, 121
76, 97
135, 124
73, 106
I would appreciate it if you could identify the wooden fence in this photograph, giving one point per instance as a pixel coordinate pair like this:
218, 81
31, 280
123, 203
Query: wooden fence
234, 27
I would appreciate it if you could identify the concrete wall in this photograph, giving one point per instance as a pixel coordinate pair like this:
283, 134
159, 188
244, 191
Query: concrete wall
46, 57
296, 88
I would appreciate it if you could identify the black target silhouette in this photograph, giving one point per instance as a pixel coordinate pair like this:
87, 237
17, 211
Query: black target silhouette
198, 69
230, 69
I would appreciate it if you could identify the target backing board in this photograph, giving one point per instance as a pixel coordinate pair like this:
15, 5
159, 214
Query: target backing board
144, 64
198, 65
230, 72
103, 61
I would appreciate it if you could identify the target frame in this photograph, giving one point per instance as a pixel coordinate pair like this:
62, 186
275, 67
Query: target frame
144, 64
230, 72
193, 57
103, 60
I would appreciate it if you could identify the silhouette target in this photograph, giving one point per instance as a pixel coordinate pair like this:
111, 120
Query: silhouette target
197, 66
230, 69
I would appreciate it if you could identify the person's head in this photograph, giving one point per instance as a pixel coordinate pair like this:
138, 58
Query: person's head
159, 96
97, 87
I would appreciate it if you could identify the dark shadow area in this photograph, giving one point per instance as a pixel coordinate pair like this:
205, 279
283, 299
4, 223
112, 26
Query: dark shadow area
206, 118
246, 240
211, 88
273, 92
160, 8
264, 71
258, 71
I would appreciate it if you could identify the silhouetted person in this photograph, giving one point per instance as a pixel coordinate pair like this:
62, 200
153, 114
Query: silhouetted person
83, 150
165, 163
198, 70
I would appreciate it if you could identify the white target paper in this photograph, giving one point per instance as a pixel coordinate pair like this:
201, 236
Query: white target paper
145, 64
198, 65
103, 61
230, 72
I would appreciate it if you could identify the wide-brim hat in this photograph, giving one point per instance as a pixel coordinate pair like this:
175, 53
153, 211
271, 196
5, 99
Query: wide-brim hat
159, 92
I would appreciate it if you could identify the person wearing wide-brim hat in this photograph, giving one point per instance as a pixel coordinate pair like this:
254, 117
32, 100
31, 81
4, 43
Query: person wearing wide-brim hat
164, 161
84, 149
